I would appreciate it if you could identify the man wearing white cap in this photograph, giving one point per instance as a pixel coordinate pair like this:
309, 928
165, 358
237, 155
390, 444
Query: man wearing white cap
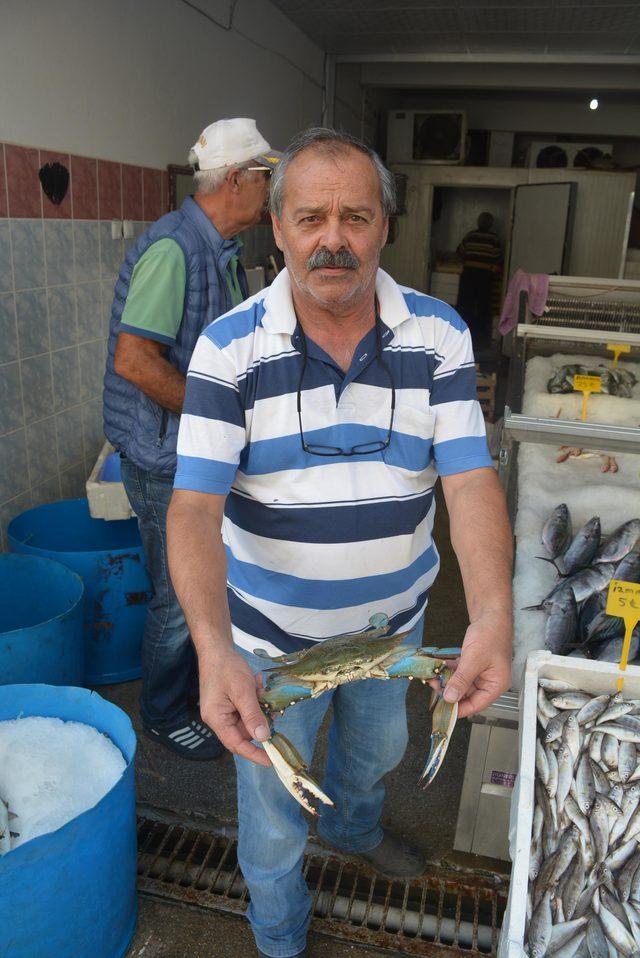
181, 274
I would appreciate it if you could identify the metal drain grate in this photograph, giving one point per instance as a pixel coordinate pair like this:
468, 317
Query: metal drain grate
446, 913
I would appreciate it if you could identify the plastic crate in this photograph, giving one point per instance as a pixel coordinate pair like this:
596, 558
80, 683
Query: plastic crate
107, 499
590, 676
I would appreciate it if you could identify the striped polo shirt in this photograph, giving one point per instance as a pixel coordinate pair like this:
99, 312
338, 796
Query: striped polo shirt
316, 545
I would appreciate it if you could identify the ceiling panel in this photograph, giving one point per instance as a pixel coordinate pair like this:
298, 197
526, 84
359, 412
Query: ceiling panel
597, 27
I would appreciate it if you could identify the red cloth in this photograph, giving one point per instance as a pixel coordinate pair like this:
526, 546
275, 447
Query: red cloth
536, 286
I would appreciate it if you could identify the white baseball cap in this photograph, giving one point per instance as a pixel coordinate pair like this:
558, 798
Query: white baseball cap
226, 142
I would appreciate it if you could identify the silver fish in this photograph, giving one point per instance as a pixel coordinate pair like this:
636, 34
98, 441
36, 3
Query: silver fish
542, 765
599, 822
596, 940
540, 927
565, 775
627, 760
592, 709
610, 750
556, 685
617, 934
626, 876
621, 733
557, 532
588, 581
562, 933
629, 568
571, 735
560, 627
570, 700
554, 729
585, 785
583, 547
620, 543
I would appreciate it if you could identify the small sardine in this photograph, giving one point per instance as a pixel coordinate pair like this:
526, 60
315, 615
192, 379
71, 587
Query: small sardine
542, 765
556, 685
616, 932
565, 775
599, 823
610, 749
585, 785
554, 729
627, 760
570, 700
571, 736
593, 708
597, 943
540, 927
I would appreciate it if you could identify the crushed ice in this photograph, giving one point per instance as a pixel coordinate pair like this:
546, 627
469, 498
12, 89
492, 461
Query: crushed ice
51, 771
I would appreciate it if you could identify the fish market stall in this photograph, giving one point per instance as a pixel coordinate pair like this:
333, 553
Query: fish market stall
550, 457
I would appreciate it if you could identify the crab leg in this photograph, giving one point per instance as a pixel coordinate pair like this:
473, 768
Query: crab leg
280, 692
291, 769
423, 664
443, 722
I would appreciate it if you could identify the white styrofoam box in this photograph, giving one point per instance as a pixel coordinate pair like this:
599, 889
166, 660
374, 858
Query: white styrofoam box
107, 500
590, 676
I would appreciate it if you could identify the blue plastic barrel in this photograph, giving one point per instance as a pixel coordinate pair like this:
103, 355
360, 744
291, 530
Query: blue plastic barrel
110, 559
72, 893
41, 622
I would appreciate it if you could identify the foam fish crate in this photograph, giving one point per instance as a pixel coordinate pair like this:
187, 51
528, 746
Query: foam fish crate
589, 676
107, 500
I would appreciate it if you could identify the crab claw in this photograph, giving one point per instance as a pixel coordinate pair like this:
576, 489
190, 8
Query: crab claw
444, 719
291, 769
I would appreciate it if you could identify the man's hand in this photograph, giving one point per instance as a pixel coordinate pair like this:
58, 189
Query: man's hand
483, 671
229, 703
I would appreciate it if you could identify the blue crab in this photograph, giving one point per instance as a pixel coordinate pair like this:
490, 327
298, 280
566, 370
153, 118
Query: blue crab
370, 654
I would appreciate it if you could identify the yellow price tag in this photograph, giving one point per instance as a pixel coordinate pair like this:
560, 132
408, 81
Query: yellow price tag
617, 349
586, 385
623, 600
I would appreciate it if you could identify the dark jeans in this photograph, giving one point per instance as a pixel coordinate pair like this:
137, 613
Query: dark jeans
169, 662
474, 304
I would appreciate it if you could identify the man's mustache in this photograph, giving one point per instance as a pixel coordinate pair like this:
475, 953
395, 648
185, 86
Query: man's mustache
342, 259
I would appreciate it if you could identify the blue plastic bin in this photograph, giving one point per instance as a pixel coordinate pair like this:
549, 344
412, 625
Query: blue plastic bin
41, 621
110, 559
72, 893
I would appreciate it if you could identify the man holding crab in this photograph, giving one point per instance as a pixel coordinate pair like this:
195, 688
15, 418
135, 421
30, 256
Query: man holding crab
317, 417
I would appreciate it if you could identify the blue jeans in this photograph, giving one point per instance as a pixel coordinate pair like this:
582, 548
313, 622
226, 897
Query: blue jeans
169, 664
367, 739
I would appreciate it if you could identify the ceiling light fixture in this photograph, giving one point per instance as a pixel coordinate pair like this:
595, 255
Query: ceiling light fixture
593, 105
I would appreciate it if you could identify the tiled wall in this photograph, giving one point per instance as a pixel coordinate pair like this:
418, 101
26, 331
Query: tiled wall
58, 266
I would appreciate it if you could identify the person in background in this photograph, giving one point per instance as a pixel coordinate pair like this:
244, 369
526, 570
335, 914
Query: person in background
181, 274
317, 418
481, 254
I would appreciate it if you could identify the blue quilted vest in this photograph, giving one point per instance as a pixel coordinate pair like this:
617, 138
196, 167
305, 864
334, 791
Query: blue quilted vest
133, 423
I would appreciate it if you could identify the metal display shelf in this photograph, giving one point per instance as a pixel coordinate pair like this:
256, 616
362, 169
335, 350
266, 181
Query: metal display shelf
582, 316
565, 432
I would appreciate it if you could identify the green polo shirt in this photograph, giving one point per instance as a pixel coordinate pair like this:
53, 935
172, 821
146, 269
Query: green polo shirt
155, 301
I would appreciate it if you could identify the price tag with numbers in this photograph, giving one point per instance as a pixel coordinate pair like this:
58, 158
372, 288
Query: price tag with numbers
623, 600
586, 385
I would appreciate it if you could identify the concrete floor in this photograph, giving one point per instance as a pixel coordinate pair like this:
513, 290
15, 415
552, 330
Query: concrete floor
208, 790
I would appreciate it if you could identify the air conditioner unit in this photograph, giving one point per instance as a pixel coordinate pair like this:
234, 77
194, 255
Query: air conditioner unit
426, 136
564, 155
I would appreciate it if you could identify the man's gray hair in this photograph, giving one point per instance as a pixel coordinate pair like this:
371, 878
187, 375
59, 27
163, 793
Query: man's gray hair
333, 143
208, 181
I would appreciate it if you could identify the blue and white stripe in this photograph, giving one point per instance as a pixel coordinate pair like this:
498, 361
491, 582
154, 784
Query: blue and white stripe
316, 545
